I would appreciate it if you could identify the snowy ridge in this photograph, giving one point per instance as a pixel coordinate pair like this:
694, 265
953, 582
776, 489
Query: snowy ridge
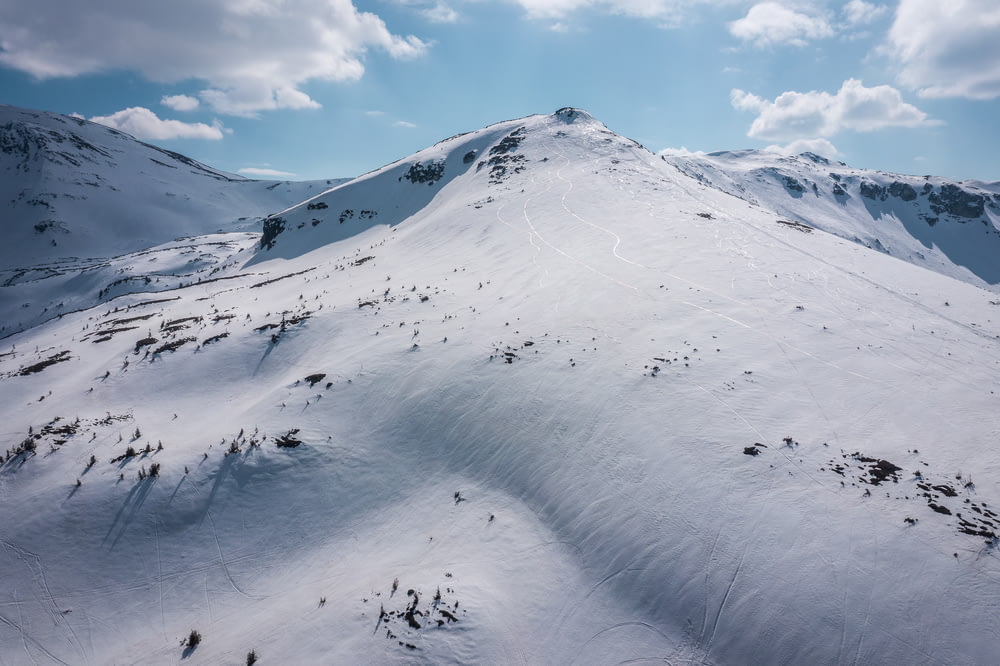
566, 406
949, 227
75, 189
406, 188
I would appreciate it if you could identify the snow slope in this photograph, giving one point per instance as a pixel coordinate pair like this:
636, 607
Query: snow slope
554, 403
949, 227
76, 189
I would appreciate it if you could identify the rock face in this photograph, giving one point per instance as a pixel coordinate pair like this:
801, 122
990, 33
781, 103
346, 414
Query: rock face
953, 200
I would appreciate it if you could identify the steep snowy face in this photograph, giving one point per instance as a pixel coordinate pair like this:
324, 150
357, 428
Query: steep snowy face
949, 227
74, 189
472, 167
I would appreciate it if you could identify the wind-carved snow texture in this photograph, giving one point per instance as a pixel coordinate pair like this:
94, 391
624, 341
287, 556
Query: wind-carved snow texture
596, 411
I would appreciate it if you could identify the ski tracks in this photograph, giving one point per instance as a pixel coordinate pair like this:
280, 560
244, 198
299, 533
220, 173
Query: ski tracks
27, 638
618, 240
33, 562
222, 561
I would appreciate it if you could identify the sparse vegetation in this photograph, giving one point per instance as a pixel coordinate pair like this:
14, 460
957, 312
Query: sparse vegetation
193, 640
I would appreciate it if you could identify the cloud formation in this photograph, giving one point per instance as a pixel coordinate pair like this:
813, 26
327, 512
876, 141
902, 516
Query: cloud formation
253, 55
773, 23
180, 102
817, 146
680, 152
947, 49
794, 115
668, 11
144, 124
256, 172
435, 11
859, 12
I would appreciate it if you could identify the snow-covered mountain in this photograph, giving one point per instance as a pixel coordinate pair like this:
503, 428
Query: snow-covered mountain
75, 189
949, 227
78, 195
532, 395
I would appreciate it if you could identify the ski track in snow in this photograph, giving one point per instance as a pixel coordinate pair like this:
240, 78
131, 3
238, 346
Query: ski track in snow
159, 578
580, 262
222, 560
27, 638
33, 562
565, 195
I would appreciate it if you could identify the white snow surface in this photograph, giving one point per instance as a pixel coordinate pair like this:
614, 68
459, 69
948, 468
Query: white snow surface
73, 189
610, 413
949, 227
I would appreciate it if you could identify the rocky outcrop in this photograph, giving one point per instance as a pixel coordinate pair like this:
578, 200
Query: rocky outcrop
953, 200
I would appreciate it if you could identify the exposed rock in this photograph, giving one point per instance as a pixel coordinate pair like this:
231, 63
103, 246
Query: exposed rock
872, 191
955, 201
793, 185
425, 173
903, 191
272, 227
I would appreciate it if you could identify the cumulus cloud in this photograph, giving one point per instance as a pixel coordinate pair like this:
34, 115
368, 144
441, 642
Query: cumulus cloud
435, 11
180, 102
665, 11
144, 124
859, 12
772, 23
252, 55
679, 152
258, 172
947, 49
440, 13
818, 146
794, 115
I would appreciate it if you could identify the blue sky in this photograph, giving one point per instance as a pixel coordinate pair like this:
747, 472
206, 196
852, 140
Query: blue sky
327, 88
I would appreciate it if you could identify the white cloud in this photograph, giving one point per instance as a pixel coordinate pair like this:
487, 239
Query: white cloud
440, 13
258, 172
144, 124
435, 11
665, 11
403, 123
680, 152
859, 12
253, 55
820, 146
947, 49
772, 23
180, 102
794, 115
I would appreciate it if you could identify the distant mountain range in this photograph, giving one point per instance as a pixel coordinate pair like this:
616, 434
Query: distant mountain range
75, 189
949, 227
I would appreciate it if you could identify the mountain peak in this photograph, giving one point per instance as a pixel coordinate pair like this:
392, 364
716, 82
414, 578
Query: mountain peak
569, 114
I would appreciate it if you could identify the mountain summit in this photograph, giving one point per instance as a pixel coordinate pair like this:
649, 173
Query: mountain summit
531, 395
